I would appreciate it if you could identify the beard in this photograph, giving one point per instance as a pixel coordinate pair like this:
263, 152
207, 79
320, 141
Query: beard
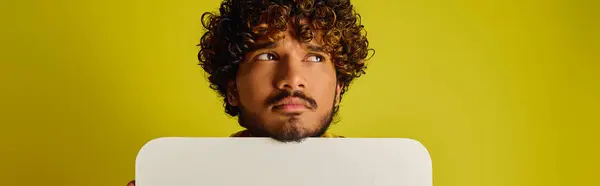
289, 130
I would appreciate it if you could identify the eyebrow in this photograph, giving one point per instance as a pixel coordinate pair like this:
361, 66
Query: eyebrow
268, 45
271, 45
314, 48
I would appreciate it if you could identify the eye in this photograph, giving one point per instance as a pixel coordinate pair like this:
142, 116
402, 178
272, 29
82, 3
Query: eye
315, 58
266, 57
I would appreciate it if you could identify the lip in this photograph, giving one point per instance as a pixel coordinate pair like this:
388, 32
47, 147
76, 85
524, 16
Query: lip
291, 105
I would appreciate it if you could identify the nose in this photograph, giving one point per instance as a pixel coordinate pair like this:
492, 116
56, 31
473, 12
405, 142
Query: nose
291, 75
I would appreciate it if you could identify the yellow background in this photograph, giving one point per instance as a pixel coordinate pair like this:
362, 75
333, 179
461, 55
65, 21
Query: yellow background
500, 92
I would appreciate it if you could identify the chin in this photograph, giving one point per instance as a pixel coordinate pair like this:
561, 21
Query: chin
285, 128
294, 132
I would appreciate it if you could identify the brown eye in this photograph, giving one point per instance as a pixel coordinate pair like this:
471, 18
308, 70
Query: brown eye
314, 58
266, 57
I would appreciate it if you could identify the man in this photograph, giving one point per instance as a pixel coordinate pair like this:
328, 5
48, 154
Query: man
282, 66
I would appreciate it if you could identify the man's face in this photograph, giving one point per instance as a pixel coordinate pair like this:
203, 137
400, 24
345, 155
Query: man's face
286, 90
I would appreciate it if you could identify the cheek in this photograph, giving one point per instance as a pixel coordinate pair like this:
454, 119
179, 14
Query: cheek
324, 88
253, 87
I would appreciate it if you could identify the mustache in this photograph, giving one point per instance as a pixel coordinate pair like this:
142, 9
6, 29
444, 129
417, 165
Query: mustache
297, 94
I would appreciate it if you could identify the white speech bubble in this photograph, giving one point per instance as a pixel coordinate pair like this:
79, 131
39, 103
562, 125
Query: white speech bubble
265, 162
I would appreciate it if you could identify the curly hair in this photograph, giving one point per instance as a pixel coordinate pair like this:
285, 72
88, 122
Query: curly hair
233, 32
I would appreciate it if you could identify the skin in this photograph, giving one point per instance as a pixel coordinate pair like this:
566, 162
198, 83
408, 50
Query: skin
287, 65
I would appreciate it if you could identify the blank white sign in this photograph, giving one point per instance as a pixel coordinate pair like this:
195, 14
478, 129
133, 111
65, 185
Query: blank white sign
265, 162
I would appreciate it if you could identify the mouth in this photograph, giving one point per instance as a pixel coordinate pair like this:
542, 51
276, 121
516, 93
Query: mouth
291, 105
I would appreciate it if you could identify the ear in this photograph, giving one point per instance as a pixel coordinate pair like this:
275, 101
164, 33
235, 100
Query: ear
338, 93
232, 94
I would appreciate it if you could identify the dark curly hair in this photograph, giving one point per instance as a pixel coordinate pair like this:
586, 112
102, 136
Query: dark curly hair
233, 32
